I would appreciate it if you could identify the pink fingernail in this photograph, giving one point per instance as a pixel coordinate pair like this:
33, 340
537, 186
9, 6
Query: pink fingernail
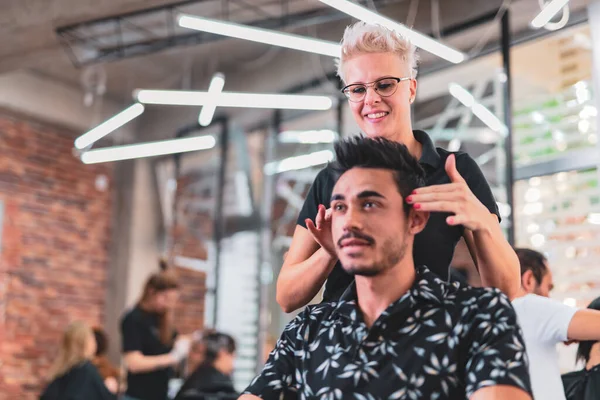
409, 199
417, 206
450, 220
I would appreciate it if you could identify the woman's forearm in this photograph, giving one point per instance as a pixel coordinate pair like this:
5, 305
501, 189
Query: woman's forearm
496, 260
299, 283
137, 362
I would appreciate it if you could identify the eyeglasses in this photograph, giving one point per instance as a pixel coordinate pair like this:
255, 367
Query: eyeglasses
384, 87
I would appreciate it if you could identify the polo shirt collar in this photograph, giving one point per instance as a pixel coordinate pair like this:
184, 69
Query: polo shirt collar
429, 156
427, 288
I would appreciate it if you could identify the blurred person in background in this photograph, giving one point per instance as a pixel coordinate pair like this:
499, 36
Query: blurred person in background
151, 346
196, 356
110, 373
585, 383
546, 323
73, 376
212, 378
379, 69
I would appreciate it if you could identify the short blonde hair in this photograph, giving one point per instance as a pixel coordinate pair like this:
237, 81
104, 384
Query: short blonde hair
362, 37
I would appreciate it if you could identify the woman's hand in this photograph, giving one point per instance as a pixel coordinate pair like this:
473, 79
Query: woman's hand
455, 198
112, 384
321, 232
181, 348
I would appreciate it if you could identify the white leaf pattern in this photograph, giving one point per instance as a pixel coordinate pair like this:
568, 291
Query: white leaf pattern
443, 341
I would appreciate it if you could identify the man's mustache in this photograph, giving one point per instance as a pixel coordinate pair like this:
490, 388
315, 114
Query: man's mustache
355, 235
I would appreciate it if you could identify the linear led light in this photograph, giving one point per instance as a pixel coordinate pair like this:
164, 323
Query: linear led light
418, 39
298, 162
549, 11
479, 110
309, 137
260, 35
594, 218
461, 95
108, 126
234, 99
208, 111
150, 149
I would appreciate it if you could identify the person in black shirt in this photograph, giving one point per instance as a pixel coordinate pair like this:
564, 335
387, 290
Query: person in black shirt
73, 376
212, 379
585, 384
379, 67
151, 347
399, 331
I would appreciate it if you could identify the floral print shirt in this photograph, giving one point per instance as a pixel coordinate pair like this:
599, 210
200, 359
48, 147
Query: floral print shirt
438, 341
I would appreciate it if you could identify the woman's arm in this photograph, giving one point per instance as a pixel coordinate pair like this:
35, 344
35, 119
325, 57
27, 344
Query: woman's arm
304, 271
495, 259
136, 362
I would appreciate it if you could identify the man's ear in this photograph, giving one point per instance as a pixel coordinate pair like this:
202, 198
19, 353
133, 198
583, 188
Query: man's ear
417, 220
528, 281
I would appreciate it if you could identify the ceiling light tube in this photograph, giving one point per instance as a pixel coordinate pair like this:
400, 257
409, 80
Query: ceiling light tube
549, 11
418, 39
479, 110
298, 162
309, 137
150, 149
260, 35
208, 111
461, 95
108, 126
235, 99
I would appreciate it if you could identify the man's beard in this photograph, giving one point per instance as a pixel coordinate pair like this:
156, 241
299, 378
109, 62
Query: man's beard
393, 253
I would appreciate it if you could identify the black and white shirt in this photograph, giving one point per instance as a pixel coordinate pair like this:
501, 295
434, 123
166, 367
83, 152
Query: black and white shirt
438, 341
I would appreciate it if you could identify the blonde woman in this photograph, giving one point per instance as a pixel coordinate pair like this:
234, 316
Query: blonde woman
378, 68
151, 347
73, 376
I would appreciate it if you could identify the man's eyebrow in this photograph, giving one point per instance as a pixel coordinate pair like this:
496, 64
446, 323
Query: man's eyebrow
362, 195
337, 197
369, 193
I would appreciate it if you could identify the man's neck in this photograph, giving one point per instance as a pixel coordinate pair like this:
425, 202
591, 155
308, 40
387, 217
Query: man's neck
521, 293
376, 293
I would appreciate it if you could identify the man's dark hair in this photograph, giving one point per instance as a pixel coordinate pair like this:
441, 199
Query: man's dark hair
363, 152
533, 261
215, 342
585, 347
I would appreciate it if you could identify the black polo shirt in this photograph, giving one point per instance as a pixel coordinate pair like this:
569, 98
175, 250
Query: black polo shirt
434, 246
438, 341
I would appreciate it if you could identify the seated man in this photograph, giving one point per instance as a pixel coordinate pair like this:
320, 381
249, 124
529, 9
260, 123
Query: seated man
399, 331
546, 322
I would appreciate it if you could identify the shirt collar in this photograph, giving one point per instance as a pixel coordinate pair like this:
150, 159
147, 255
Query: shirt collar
427, 288
429, 155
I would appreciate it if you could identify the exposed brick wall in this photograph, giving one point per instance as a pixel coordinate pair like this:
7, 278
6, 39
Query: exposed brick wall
54, 256
189, 315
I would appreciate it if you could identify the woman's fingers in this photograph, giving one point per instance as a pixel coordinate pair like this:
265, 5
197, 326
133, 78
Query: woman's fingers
437, 206
446, 187
432, 197
320, 216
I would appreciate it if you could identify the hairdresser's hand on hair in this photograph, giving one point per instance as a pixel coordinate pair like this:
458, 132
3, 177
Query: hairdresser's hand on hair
181, 348
455, 198
321, 229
